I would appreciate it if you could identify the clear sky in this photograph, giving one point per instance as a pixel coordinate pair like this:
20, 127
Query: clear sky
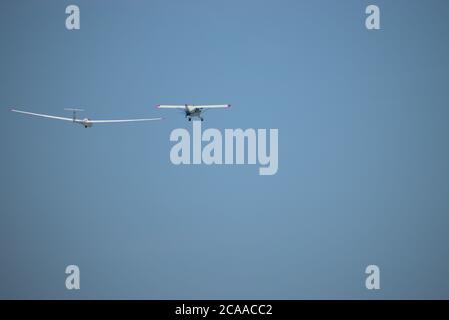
363, 150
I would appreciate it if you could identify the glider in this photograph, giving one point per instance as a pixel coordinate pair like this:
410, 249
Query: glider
191, 111
87, 123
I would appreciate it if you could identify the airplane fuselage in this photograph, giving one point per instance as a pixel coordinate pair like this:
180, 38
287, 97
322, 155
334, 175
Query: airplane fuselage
192, 111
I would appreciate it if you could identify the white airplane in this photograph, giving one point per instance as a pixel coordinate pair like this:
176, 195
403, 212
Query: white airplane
87, 123
191, 110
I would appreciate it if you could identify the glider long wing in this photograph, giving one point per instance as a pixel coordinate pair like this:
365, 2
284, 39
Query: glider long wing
42, 115
123, 120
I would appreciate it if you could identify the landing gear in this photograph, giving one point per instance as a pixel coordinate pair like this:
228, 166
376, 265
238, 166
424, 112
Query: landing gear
190, 119
201, 119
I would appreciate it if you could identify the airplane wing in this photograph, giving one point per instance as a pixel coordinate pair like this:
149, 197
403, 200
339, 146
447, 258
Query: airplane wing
123, 120
214, 106
165, 106
42, 115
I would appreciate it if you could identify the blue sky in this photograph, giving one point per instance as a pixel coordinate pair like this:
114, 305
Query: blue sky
363, 153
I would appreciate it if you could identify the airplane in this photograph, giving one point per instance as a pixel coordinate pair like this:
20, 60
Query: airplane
191, 110
87, 123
